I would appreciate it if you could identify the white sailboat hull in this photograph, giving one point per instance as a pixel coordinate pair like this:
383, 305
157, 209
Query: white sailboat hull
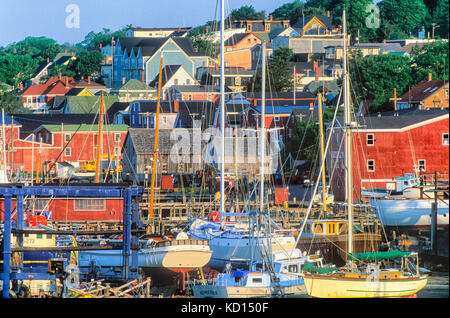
409, 212
211, 291
338, 287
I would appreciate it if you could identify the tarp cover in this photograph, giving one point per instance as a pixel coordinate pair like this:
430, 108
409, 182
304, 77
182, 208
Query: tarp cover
376, 256
310, 268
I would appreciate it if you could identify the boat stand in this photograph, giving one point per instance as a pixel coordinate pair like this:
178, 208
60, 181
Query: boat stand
131, 226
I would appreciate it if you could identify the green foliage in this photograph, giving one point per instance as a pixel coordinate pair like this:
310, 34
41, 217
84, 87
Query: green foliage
246, 13
304, 142
406, 15
375, 77
12, 103
279, 76
86, 64
430, 58
93, 39
15, 68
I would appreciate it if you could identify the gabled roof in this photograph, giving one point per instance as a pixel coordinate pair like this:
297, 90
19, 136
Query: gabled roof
88, 104
143, 140
75, 91
423, 90
150, 106
326, 20
405, 119
134, 84
149, 46
167, 73
30, 122
188, 111
238, 37
55, 128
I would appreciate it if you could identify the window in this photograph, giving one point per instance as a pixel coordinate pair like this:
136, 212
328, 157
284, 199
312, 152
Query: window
446, 93
257, 280
370, 140
249, 27
445, 139
89, 205
422, 165
164, 120
188, 81
68, 152
370, 165
175, 81
117, 137
293, 269
117, 151
67, 137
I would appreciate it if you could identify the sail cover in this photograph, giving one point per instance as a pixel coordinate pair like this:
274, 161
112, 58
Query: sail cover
376, 256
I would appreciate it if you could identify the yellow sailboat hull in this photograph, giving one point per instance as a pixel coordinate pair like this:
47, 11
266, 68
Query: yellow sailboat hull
367, 286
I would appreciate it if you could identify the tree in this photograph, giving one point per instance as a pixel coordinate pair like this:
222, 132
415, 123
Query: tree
246, 13
15, 69
304, 142
93, 39
86, 64
279, 76
440, 17
375, 77
406, 15
430, 58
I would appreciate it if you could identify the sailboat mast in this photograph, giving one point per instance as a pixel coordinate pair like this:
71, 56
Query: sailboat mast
262, 130
348, 143
155, 144
222, 109
99, 141
322, 154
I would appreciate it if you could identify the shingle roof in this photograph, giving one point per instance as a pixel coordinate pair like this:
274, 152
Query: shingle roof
423, 90
149, 46
405, 118
188, 111
167, 72
327, 20
143, 140
30, 122
83, 128
88, 104
134, 84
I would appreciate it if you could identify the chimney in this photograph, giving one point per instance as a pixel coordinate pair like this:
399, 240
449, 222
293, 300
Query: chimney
255, 102
123, 80
82, 77
430, 76
384, 41
60, 76
48, 60
311, 106
316, 64
101, 45
328, 13
143, 76
270, 17
176, 105
73, 53
65, 51
89, 80
318, 73
21, 86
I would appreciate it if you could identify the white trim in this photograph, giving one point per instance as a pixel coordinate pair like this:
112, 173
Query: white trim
377, 180
373, 140
423, 123
424, 164
367, 165
445, 144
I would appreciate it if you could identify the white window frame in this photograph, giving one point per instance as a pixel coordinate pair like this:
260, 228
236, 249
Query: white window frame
67, 139
424, 165
372, 141
445, 139
164, 120
117, 137
68, 152
373, 165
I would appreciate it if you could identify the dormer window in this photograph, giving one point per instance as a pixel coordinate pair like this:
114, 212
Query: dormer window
249, 27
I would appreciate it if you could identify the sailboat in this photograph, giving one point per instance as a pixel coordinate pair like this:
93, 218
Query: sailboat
359, 279
162, 259
276, 273
230, 242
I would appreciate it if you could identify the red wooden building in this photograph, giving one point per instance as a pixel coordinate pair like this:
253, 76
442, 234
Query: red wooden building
75, 144
71, 209
389, 146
